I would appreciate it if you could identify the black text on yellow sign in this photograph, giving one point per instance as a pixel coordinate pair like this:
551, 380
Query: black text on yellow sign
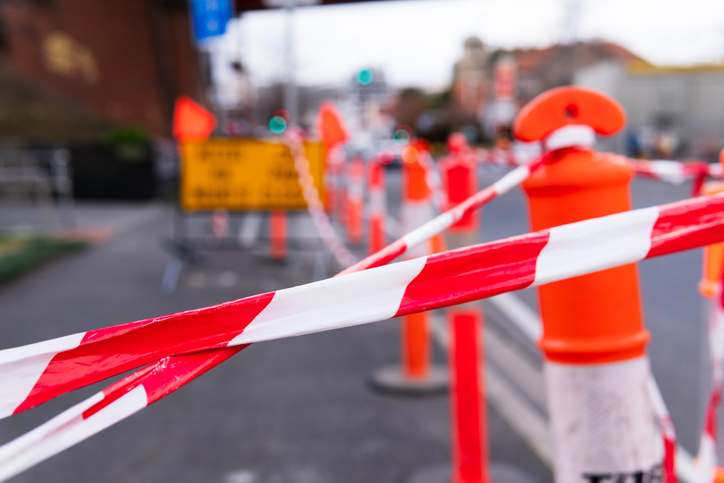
245, 174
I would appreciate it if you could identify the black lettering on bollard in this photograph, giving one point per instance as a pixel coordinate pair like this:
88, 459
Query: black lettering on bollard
654, 475
597, 478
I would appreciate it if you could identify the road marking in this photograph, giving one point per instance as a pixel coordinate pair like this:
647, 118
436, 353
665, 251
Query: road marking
518, 312
249, 231
521, 416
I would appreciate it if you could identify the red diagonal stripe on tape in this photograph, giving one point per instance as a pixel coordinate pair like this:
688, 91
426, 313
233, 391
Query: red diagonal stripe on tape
467, 274
688, 224
115, 403
106, 352
165, 376
441, 280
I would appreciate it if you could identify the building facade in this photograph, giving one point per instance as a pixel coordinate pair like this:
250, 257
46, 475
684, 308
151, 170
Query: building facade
126, 60
671, 111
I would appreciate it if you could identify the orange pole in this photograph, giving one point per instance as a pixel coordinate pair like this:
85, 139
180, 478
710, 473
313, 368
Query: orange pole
594, 341
330, 188
278, 235
467, 397
579, 185
355, 201
415, 345
376, 239
416, 374
342, 187
466, 353
417, 210
713, 254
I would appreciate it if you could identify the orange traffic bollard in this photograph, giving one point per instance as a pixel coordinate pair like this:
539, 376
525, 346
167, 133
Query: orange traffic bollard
594, 341
713, 254
355, 200
334, 134
416, 375
467, 386
710, 288
376, 238
278, 235
192, 121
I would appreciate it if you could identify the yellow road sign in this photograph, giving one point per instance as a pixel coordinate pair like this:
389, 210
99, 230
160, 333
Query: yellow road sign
245, 174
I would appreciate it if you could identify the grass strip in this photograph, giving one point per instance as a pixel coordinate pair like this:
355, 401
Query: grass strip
20, 254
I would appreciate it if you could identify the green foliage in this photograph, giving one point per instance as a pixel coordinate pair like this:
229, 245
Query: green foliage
126, 135
20, 254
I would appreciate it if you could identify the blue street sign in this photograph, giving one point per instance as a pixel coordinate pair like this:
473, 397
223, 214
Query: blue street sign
210, 17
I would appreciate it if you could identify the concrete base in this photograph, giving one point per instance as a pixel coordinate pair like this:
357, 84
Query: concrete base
391, 380
499, 473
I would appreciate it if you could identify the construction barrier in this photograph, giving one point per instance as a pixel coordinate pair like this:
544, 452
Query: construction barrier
443, 221
416, 374
710, 288
334, 134
466, 324
596, 368
315, 207
377, 218
355, 200
278, 235
180, 347
36, 373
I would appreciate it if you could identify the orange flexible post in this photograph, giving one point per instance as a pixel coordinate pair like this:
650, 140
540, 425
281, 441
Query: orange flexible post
355, 201
278, 235
416, 374
416, 211
713, 254
465, 322
594, 341
376, 239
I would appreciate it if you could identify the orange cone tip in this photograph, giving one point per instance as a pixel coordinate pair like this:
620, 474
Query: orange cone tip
191, 120
331, 125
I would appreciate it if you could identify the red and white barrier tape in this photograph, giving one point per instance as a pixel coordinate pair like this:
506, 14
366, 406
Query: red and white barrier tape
706, 461
676, 172
443, 221
314, 205
104, 409
497, 157
33, 374
433, 181
668, 431
194, 367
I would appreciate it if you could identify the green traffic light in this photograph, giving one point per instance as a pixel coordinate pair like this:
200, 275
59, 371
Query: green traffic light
277, 124
365, 76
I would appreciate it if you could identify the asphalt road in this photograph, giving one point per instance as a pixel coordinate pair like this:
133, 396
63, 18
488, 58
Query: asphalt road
291, 411
297, 410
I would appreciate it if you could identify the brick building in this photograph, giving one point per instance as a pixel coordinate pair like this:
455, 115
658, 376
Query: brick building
127, 60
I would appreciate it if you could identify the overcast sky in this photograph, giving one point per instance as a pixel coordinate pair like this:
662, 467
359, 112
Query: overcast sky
416, 42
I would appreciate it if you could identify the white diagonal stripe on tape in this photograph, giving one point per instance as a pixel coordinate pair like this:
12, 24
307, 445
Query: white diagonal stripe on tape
428, 230
511, 180
669, 171
65, 430
716, 170
705, 463
21, 367
353, 299
597, 244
